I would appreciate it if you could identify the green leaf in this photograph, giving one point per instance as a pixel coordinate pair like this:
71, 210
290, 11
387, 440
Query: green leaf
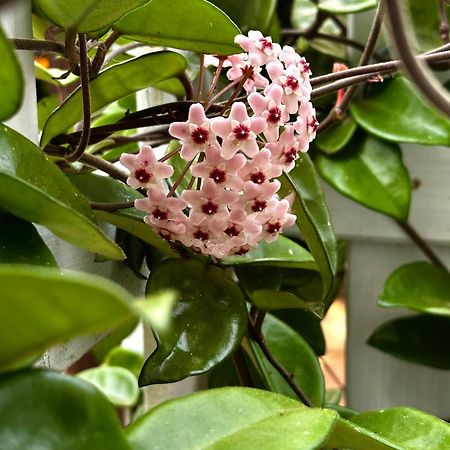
35, 189
409, 428
208, 321
21, 243
253, 277
281, 253
196, 25
269, 299
102, 189
350, 436
346, 6
119, 385
45, 107
420, 286
423, 339
234, 419
249, 15
114, 83
42, 307
11, 80
303, 14
85, 15
295, 355
336, 136
370, 172
45, 410
395, 112
313, 219
123, 357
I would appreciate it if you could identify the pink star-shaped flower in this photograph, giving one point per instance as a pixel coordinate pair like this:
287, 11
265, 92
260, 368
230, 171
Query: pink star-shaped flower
238, 66
260, 169
306, 124
145, 170
260, 49
285, 150
291, 58
195, 134
257, 199
238, 131
278, 219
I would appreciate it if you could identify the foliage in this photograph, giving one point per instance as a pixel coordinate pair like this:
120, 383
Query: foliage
250, 318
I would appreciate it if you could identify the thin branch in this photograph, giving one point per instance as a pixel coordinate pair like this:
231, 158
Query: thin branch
71, 49
240, 365
423, 79
180, 178
111, 206
216, 77
201, 75
105, 166
102, 50
443, 21
39, 45
245, 76
421, 244
85, 92
187, 84
170, 154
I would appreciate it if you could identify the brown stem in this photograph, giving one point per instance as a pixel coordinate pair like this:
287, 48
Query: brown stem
201, 76
180, 178
216, 77
443, 21
187, 84
71, 49
221, 92
39, 45
240, 365
102, 50
111, 206
248, 72
170, 154
104, 166
421, 244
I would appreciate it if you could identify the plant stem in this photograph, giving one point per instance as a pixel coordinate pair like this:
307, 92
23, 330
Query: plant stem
100, 55
240, 365
248, 72
180, 178
39, 45
443, 21
258, 337
216, 77
187, 84
421, 244
104, 166
170, 154
111, 206
201, 75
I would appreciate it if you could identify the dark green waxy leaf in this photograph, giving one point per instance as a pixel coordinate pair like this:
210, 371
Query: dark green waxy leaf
336, 136
253, 277
45, 107
21, 243
35, 189
249, 15
119, 385
196, 25
101, 189
346, 6
128, 359
11, 80
307, 325
295, 355
114, 83
269, 299
370, 172
45, 410
409, 428
422, 339
85, 15
351, 436
281, 253
207, 323
42, 307
232, 419
344, 412
420, 286
394, 111
313, 219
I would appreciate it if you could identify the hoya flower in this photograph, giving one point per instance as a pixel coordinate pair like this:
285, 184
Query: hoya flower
222, 171
239, 65
159, 206
257, 199
306, 124
285, 150
260, 169
238, 131
145, 170
279, 218
270, 107
195, 133
291, 58
260, 49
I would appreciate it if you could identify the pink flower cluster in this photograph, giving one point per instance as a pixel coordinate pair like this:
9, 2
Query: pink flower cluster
235, 160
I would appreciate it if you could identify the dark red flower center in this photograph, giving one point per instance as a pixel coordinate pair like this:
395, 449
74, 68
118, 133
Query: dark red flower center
265, 44
241, 251
217, 175
313, 123
241, 132
273, 228
209, 208
202, 235
142, 175
274, 115
200, 136
159, 214
258, 177
290, 155
232, 231
259, 205
292, 82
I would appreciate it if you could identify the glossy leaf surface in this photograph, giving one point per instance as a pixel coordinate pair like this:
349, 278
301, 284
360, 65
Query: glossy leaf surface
85, 15
409, 428
346, 6
123, 357
281, 253
114, 83
35, 189
196, 25
232, 419
423, 339
295, 355
269, 299
11, 79
394, 111
47, 411
207, 323
119, 385
420, 286
370, 172
102, 189
21, 243
42, 307
336, 136
313, 219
